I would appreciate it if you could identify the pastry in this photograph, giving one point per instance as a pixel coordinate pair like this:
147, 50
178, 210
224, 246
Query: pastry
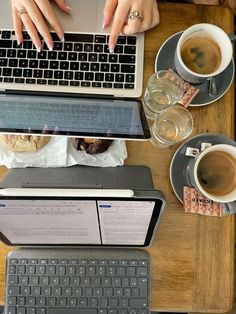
24, 143
91, 145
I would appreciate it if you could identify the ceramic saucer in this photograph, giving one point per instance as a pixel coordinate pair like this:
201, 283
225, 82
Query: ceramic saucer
180, 161
165, 60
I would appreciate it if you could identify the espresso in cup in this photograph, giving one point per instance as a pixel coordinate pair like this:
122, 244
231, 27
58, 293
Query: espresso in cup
201, 54
216, 173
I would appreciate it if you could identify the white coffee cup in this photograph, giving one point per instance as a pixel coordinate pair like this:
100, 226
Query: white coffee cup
213, 173
213, 34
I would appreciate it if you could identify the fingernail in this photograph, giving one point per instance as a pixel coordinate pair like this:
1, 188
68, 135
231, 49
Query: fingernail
50, 47
111, 48
38, 48
68, 7
18, 42
103, 25
62, 39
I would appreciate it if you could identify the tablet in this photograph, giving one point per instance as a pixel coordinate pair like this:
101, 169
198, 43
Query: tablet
80, 220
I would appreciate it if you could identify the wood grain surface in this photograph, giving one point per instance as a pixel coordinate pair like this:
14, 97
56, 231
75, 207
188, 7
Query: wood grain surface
192, 256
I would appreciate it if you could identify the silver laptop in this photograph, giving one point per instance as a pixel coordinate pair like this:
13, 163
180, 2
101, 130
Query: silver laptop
81, 67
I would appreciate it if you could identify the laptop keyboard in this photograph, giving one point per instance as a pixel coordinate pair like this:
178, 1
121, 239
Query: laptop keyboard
45, 284
83, 60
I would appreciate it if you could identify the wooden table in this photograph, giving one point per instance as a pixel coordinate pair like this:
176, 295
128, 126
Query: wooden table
192, 256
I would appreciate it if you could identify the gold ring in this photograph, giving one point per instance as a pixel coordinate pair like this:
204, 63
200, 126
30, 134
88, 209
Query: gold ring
22, 11
135, 15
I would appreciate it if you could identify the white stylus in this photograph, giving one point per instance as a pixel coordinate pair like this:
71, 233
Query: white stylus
66, 192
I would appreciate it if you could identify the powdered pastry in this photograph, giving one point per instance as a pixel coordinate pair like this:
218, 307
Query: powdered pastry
91, 145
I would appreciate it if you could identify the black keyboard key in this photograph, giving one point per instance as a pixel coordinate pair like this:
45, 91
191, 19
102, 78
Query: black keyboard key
100, 39
23, 63
113, 58
93, 57
106, 49
42, 55
11, 53
30, 81
38, 73
105, 67
82, 56
118, 85
102, 58
129, 78
68, 46
3, 62
64, 65
52, 82
13, 63
15, 44
129, 86
6, 34
52, 55
79, 76
96, 84
54, 65
72, 56
74, 66
127, 59
94, 67
85, 84
31, 54
84, 38
88, 47
78, 47
63, 83
43, 64
118, 49
5, 43
27, 73
74, 83
120, 78
58, 75
89, 76
62, 55
68, 75
130, 50
57, 46
33, 64
127, 68
27, 44
8, 80
7, 72
84, 66
48, 74
20, 80
131, 40
21, 54
121, 40
99, 77
55, 37
115, 68
98, 48
109, 77
41, 82
26, 36
3, 53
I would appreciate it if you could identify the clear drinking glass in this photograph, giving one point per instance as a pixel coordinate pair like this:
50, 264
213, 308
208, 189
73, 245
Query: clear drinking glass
160, 94
172, 125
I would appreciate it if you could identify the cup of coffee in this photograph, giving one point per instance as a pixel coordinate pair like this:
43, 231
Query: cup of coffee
213, 173
203, 51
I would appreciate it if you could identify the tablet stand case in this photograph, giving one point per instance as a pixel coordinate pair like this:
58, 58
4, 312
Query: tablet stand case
83, 177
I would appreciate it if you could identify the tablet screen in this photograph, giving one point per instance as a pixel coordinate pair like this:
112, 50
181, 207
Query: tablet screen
84, 117
78, 221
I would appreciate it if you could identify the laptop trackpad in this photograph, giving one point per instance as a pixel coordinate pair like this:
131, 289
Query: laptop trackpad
86, 16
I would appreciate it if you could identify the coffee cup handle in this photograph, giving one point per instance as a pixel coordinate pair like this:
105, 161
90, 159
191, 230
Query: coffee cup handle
232, 37
230, 208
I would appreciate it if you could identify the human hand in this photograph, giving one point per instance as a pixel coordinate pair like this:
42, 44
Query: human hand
32, 15
119, 10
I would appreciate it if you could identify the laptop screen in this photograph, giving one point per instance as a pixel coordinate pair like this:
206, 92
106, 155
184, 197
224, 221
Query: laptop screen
86, 221
84, 117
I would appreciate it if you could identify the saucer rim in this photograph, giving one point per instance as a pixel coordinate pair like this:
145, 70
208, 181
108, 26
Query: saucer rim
204, 135
215, 99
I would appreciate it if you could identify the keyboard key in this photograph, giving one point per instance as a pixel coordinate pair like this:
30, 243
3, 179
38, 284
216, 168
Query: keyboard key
130, 50
131, 40
38, 73
127, 68
71, 311
127, 59
100, 39
6, 34
5, 43
11, 53
8, 80
85, 38
68, 46
85, 84
7, 72
13, 63
52, 55
57, 46
54, 64
78, 47
33, 64
3, 53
